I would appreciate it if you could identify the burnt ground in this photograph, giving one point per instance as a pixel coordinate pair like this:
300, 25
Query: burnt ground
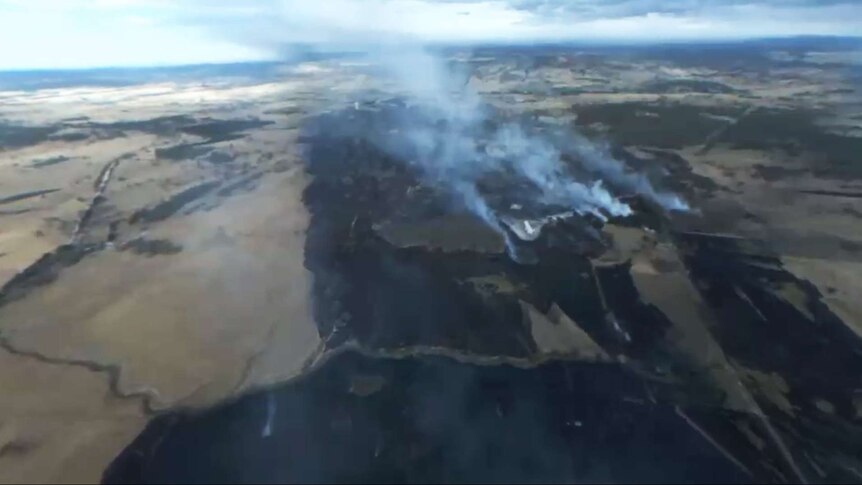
433, 420
368, 287
646, 416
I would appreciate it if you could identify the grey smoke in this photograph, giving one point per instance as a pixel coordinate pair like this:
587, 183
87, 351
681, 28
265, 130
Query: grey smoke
271, 409
597, 157
446, 138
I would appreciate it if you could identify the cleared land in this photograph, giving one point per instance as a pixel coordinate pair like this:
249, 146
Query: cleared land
168, 247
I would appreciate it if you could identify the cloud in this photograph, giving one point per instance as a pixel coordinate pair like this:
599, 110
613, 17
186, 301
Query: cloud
45, 34
350, 21
68, 33
634, 8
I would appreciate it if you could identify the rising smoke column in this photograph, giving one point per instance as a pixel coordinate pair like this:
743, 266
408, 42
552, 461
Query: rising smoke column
446, 138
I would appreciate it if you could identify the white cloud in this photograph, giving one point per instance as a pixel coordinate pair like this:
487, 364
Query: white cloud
78, 33
55, 39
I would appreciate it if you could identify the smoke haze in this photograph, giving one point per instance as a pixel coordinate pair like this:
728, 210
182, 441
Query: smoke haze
457, 142
454, 140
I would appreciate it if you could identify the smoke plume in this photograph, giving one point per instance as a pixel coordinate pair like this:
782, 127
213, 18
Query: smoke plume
458, 143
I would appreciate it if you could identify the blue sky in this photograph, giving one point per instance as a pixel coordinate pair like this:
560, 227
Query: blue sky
99, 33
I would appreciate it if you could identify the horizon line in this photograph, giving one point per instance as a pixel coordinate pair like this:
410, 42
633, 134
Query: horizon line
310, 49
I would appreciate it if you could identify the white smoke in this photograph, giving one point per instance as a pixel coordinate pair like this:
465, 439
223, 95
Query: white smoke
539, 161
446, 136
446, 133
597, 157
